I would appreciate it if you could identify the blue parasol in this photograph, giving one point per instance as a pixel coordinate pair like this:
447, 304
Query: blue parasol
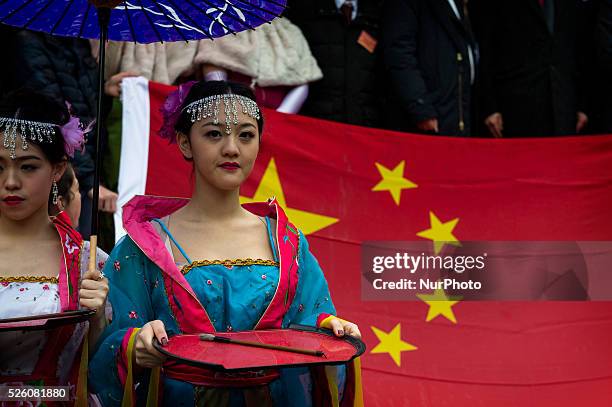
142, 21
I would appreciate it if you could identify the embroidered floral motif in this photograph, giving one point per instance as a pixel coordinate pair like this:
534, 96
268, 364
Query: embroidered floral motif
117, 265
45, 287
133, 315
4, 283
71, 245
209, 282
301, 308
229, 328
101, 265
263, 276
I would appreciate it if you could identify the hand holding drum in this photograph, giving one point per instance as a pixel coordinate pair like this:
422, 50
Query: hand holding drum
145, 354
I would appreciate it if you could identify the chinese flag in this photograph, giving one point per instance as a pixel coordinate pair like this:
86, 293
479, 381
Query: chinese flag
343, 185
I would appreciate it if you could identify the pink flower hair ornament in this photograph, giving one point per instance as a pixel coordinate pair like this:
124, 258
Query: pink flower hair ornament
74, 134
171, 110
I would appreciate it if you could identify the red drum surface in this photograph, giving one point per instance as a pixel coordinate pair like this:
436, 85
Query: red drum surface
228, 356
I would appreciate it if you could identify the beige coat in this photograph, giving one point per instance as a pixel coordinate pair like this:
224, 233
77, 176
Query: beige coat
158, 62
274, 54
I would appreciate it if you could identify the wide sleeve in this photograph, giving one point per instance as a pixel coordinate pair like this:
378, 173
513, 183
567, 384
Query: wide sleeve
312, 301
101, 258
130, 299
312, 306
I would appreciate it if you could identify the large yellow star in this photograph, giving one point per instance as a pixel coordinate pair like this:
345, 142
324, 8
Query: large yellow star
392, 343
270, 185
439, 304
440, 233
393, 181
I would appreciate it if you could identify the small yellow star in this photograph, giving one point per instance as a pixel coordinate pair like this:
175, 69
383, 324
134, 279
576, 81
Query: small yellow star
392, 343
439, 304
440, 233
393, 181
270, 185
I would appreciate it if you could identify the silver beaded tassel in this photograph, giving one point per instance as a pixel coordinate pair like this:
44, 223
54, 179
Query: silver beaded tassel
35, 131
209, 107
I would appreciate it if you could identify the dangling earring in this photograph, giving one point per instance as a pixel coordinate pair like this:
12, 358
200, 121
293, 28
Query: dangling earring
55, 192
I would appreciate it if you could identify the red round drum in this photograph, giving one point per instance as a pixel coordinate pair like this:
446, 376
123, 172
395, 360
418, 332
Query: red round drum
191, 350
46, 321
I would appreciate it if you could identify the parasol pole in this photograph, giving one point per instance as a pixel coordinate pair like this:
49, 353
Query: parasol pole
103, 21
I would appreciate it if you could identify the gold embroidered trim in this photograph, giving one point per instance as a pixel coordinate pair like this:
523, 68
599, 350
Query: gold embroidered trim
236, 262
29, 279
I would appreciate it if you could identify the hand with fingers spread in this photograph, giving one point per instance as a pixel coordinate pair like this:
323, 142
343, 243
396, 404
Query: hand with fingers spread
145, 355
342, 327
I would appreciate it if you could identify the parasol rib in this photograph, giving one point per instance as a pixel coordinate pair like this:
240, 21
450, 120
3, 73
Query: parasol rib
57, 23
142, 10
38, 13
250, 13
209, 17
276, 3
202, 29
244, 24
84, 20
12, 13
179, 32
129, 20
261, 8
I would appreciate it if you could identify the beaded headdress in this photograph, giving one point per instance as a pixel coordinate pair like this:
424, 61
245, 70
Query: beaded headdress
204, 108
35, 131
42, 132
209, 107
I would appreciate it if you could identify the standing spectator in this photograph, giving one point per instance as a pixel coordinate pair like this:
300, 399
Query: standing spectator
342, 36
274, 60
430, 57
531, 55
603, 79
65, 70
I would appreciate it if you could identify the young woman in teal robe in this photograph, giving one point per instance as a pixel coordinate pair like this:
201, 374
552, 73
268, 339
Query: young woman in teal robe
209, 264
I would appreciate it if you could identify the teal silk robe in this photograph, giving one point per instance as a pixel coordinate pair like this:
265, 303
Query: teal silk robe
235, 295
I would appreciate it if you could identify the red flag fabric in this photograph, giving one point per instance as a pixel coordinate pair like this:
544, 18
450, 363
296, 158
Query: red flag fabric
343, 185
